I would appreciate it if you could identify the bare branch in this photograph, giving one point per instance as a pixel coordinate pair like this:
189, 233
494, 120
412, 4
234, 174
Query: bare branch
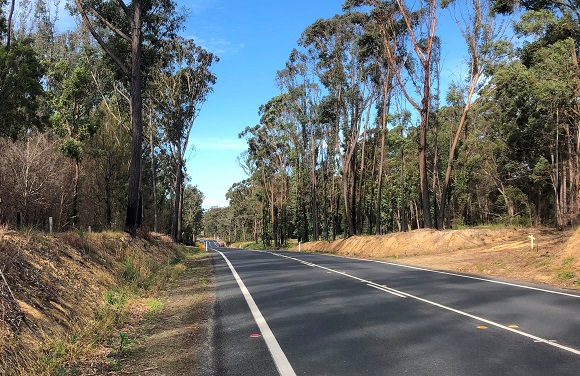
109, 25
100, 40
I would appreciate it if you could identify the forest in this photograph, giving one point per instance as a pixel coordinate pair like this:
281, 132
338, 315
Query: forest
367, 135
95, 120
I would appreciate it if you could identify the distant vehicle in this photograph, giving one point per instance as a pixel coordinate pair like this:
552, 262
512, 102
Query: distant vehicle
221, 244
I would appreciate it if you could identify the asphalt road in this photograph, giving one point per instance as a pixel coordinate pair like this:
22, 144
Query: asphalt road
325, 315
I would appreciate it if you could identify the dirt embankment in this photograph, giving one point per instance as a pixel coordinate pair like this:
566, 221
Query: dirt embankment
554, 259
61, 310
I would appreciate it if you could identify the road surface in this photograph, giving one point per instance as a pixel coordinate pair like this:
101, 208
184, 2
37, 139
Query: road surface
326, 315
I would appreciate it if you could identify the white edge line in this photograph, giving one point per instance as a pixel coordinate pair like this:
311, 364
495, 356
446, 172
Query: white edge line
456, 275
282, 363
493, 323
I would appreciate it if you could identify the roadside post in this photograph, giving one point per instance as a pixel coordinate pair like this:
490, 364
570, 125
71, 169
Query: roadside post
298, 246
50, 225
532, 238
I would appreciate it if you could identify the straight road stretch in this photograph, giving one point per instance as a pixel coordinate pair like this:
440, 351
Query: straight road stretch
294, 313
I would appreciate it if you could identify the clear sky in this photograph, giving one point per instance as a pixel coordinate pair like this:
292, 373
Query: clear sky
253, 39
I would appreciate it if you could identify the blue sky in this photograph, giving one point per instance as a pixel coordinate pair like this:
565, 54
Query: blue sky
253, 40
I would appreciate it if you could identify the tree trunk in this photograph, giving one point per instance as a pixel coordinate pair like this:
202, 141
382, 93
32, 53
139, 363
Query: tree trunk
131, 219
386, 106
315, 224
153, 173
359, 192
423, 183
9, 31
176, 199
75, 199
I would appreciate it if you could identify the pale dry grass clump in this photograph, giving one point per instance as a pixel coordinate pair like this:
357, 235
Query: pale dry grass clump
572, 248
413, 243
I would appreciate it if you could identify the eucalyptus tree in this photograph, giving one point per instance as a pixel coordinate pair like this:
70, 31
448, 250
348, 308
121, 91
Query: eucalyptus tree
269, 145
333, 46
304, 95
192, 212
539, 119
181, 89
551, 110
478, 27
130, 34
246, 206
75, 117
382, 29
414, 75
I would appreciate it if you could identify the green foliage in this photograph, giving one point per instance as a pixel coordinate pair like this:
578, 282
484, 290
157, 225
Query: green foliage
567, 261
192, 211
117, 297
3, 26
155, 305
20, 89
75, 102
565, 275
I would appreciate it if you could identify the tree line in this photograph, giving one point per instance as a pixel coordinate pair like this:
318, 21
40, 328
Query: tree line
367, 137
95, 120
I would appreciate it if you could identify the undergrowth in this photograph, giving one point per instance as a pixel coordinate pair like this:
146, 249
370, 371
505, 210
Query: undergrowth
139, 276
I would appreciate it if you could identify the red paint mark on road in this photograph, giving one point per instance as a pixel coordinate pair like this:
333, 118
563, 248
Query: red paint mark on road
255, 335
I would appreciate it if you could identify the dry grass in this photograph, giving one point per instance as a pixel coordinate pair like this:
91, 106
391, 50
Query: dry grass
71, 292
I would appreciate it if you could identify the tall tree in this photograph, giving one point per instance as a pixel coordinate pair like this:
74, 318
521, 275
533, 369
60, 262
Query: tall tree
74, 119
181, 90
478, 28
192, 213
333, 45
421, 38
20, 86
120, 29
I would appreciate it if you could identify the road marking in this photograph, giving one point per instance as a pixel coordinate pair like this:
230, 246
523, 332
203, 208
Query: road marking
477, 318
461, 275
386, 290
278, 355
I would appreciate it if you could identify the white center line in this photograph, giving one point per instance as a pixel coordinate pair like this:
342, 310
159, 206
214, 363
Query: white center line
461, 275
282, 363
404, 294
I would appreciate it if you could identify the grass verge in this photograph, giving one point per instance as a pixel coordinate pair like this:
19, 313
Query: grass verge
80, 294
